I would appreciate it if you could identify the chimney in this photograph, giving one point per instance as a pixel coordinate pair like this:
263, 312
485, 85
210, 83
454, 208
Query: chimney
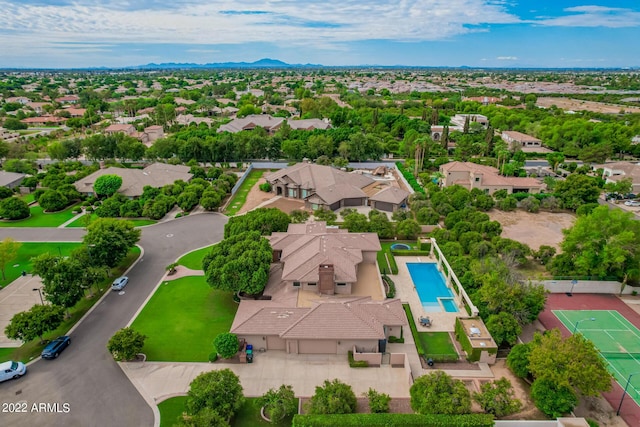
325, 274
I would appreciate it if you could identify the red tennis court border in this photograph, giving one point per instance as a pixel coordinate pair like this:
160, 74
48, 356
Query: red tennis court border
630, 411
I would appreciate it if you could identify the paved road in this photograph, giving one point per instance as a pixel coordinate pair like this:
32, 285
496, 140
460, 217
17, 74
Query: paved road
85, 376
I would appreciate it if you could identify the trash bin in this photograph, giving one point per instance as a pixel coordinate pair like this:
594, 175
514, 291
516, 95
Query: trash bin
430, 361
249, 357
249, 347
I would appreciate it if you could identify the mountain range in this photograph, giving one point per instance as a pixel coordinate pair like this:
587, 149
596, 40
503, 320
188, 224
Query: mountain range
261, 63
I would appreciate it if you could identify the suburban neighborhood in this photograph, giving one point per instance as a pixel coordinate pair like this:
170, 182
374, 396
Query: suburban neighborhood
304, 247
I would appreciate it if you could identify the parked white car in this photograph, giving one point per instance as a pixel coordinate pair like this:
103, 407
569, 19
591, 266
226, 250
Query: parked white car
634, 203
11, 369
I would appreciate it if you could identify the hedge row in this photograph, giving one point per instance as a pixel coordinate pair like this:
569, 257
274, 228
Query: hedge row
392, 420
356, 364
391, 287
414, 330
410, 178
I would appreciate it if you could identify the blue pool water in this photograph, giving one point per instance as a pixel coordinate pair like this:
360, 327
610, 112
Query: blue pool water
431, 287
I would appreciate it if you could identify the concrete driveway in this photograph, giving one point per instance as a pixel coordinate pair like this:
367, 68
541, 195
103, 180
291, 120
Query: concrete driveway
85, 376
18, 297
159, 380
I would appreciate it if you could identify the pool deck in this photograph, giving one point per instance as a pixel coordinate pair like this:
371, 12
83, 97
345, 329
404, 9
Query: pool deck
405, 290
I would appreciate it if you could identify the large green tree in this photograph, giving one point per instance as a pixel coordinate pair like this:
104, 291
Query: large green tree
263, 220
605, 243
570, 362
498, 398
576, 190
36, 322
219, 391
14, 208
439, 393
63, 279
107, 185
109, 240
126, 344
239, 263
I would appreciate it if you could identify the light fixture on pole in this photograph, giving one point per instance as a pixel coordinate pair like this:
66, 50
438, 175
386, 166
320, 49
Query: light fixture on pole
574, 282
624, 393
575, 328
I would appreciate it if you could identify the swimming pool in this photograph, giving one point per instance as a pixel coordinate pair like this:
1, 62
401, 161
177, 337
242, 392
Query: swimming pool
400, 246
432, 290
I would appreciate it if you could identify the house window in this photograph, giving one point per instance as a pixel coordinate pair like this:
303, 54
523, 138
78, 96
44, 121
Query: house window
477, 179
296, 284
312, 284
341, 284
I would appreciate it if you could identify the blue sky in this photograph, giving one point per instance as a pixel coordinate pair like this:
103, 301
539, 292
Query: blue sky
481, 33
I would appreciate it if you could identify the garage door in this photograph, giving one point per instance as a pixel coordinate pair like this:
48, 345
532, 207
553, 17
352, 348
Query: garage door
317, 347
275, 343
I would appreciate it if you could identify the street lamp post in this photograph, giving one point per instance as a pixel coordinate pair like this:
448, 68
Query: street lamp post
574, 282
39, 293
575, 328
624, 393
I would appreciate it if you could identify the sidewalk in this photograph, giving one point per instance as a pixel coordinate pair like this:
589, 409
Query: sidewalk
16, 297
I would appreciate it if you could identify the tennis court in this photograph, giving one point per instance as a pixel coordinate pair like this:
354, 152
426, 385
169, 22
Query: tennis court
615, 337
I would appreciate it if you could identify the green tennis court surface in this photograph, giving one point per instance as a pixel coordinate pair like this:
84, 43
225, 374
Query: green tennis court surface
616, 338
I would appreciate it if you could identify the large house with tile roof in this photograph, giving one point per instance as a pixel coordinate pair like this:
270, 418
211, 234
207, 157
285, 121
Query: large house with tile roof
330, 188
324, 263
271, 124
486, 178
617, 171
134, 180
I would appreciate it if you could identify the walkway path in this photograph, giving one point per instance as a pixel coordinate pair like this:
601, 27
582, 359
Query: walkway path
64, 224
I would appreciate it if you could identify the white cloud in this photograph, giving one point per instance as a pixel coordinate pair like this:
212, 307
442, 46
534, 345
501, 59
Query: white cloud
593, 16
316, 23
507, 58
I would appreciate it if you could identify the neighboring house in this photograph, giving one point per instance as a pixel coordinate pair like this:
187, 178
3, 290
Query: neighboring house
44, 120
187, 119
134, 180
308, 124
389, 199
252, 121
333, 326
154, 132
457, 121
520, 140
10, 179
614, 172
76, 112
484, 100
18, 99
323, 259
127, 129
320, 186
38, 107
271, 124
486, 178
68, 99
635, 140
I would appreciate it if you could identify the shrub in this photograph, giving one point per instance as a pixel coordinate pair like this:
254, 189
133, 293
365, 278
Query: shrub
266, 187
334, 397
497, 398
518, 360
393, 420
125, 344
553, 399
226, 344
378, 402
439, 393
280, 403
356, 364
52, 201
14, 208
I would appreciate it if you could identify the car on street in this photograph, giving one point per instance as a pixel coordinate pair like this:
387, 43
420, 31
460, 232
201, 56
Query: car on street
11, 369
119, 283
634, 203
55, 347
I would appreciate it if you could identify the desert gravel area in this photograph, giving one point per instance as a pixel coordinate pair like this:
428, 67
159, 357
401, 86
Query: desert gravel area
534, 229
580, 105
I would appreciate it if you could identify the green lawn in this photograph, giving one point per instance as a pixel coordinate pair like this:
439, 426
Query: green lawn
29, 250
28, 197
437, 343
240, 197
41, 219
248, 415
171, 409
193, 260
182, 319
32, 349
82, 221
5, 353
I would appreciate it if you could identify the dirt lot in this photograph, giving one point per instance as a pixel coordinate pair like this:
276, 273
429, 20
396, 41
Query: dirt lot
544, 228
579, 105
